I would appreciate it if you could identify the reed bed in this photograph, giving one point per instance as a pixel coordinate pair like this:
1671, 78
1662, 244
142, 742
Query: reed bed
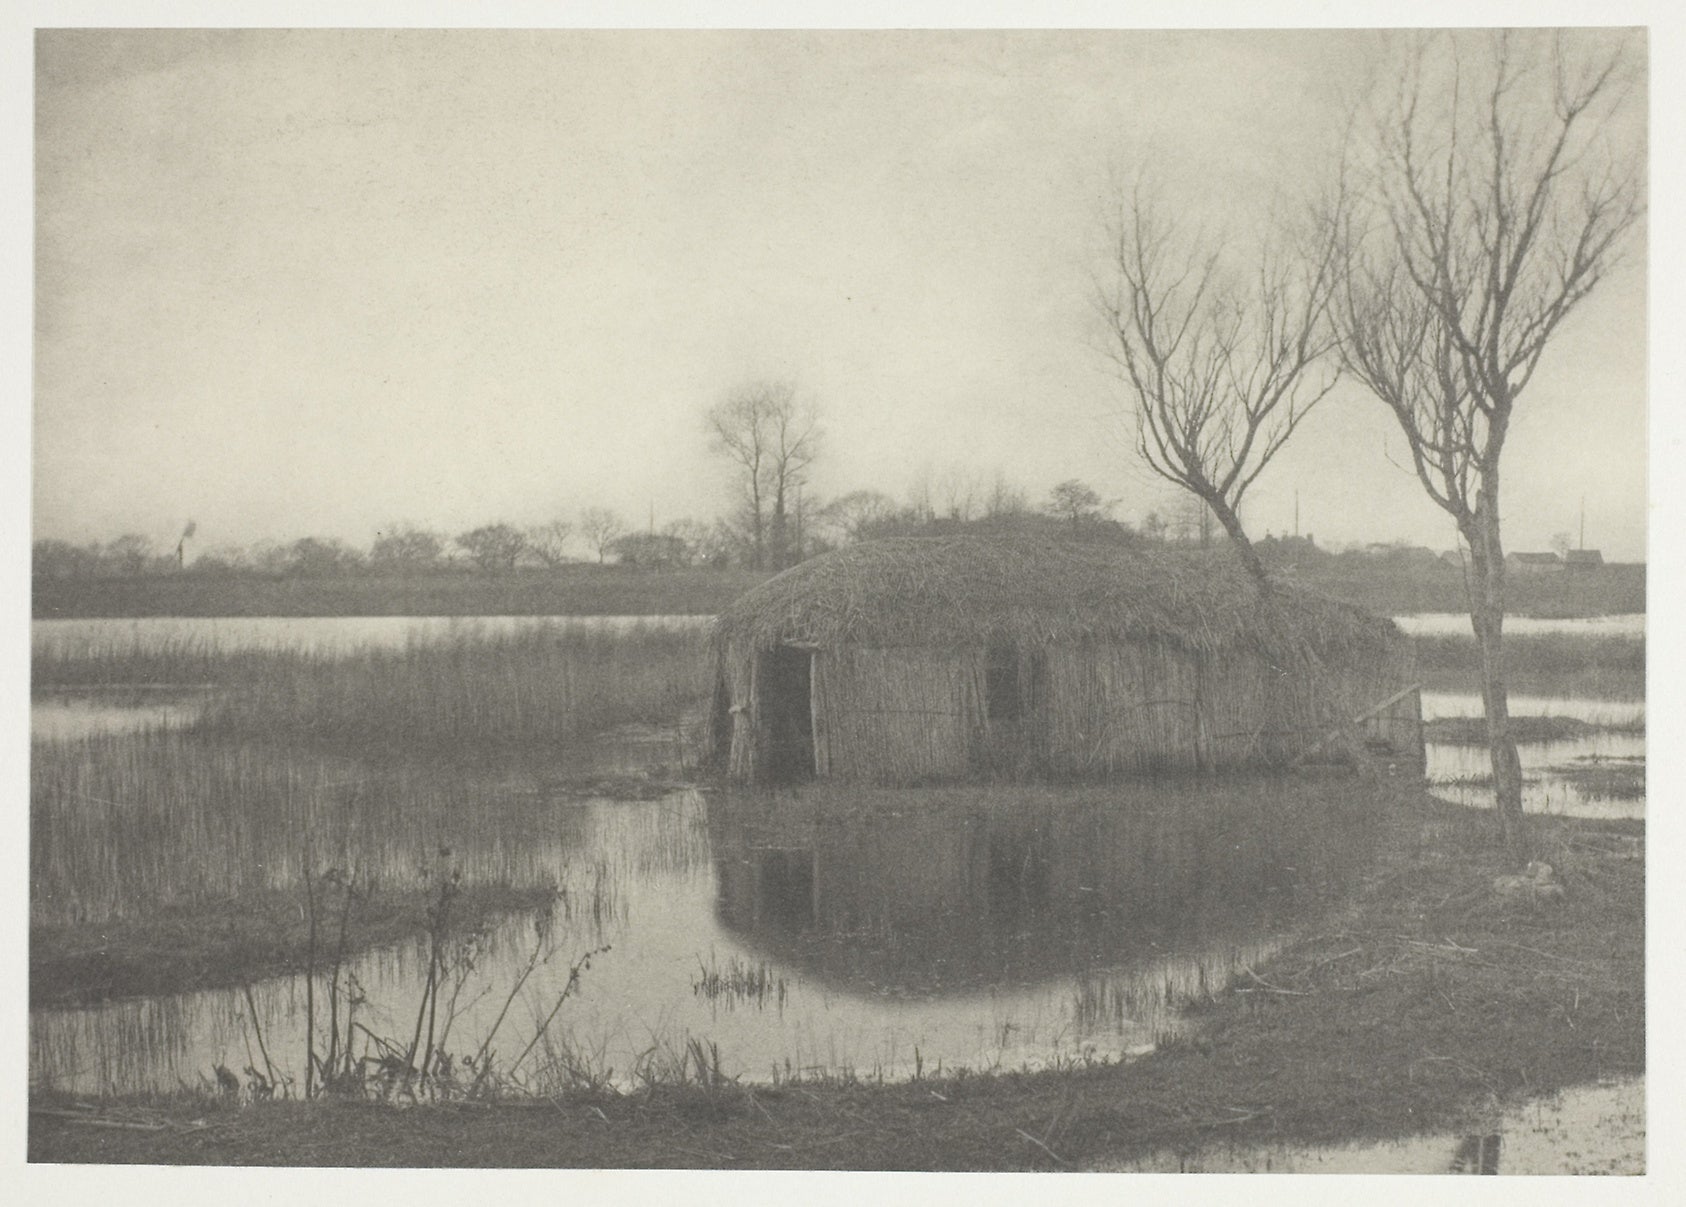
126, 826
543, 690
1558, 664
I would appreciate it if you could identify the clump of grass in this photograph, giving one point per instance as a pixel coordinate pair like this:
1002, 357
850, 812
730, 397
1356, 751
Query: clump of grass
739, 981
1606, 782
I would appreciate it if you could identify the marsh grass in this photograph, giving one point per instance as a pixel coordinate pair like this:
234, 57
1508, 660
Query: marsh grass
353, 763
480, 697
1557, 664
739, 982
127, 825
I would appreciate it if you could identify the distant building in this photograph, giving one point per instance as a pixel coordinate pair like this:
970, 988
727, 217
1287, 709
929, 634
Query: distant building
1398, 551
1533, 563
1582, 559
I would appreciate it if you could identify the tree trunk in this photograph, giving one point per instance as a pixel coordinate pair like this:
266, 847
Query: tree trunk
1487, 615
779, 535
1243, 547
757, 521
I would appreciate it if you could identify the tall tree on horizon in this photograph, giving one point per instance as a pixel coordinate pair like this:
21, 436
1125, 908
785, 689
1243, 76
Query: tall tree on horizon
772, 437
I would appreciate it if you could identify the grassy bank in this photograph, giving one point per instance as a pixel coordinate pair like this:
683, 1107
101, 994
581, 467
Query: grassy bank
1428, 998
227, 944
576, 590
1546, 664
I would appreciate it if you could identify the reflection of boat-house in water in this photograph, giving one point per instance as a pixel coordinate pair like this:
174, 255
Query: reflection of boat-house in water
923, 659
970, 886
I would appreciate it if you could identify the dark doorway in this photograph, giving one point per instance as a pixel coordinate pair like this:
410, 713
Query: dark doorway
786, 703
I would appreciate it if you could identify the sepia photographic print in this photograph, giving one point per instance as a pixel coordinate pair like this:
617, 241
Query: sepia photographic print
685, 595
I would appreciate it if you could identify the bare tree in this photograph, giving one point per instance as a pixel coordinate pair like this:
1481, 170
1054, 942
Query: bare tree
854, 516
773, 439
494, 546
957, 490
1494, 199
689, 540
1076, 501
549, 542
1221, 365
602, 528
1005, 500
405, 548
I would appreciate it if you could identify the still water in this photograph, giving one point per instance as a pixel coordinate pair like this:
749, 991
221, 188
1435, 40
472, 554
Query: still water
1597, 774
1597, 1129
1457, 624
873, 933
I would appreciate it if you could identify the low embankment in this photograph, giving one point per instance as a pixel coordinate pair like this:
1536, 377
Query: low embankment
593, 590
575, 590
1395, 590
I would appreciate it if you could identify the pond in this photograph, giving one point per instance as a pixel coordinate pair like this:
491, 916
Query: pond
875, 934
61, 716
1457, 624
1600, 773
871, 933
1597, 1129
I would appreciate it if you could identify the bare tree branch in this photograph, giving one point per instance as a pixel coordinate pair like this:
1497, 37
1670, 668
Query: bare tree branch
1222, 368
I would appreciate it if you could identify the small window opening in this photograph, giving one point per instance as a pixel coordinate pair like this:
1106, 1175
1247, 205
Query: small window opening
1003, 694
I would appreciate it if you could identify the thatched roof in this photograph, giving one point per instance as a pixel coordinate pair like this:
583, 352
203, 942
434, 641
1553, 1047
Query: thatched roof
965, 590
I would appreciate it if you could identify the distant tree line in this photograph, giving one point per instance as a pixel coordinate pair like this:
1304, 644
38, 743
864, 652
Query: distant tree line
945, 502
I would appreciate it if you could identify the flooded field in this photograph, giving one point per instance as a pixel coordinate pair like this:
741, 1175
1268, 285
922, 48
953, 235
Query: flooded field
873, 934
830, 932
1600, 773
1598, 1129
61, 716
1457, 624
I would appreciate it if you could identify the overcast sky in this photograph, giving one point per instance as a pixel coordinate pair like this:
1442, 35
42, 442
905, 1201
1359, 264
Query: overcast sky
314, 282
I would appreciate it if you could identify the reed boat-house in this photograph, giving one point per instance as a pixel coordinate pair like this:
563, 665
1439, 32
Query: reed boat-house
928, 659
